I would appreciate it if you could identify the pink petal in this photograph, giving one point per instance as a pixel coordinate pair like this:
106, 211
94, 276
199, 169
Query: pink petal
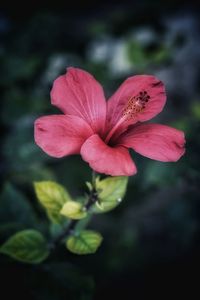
61, 135
78, 93
104, 159
155, 141
132, 87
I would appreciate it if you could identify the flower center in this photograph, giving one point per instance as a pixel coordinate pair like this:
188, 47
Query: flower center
135, 105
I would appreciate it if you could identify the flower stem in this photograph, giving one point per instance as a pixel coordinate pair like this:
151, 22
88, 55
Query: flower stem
94, 179
92, 199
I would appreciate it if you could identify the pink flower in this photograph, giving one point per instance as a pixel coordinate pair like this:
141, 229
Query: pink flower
102, 132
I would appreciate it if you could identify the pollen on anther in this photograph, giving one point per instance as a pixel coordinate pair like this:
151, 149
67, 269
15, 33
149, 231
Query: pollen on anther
135, 105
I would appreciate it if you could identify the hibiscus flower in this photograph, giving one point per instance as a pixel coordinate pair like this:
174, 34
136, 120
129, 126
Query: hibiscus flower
102, 132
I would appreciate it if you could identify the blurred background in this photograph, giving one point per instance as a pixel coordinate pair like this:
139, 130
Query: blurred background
151, 241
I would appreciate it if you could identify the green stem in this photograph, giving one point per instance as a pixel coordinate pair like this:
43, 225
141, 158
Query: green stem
92, 199
94, 180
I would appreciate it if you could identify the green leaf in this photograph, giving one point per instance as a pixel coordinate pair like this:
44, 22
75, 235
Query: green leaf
110, 193
89, 185
73, 210
84, 242
52, 196
27, 246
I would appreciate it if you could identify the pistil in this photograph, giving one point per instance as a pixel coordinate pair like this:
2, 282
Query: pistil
134, 106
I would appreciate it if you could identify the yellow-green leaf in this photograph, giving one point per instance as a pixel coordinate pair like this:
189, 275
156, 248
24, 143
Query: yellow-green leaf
52, 196
110, 193
89, 185
73, 210
27, 246
84, 242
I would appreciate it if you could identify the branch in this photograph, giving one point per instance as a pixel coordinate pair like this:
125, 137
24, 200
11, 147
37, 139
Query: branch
92, 199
